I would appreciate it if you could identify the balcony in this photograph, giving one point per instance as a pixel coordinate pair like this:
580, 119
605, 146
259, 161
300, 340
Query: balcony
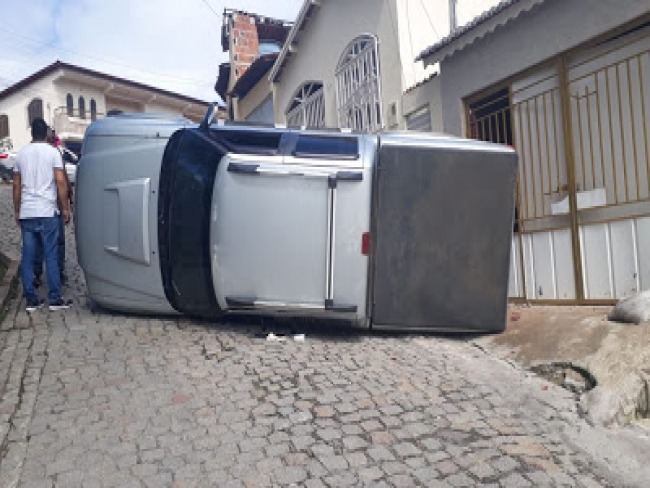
73, 124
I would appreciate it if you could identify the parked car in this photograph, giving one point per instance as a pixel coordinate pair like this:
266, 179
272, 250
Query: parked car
7, 160
70, 160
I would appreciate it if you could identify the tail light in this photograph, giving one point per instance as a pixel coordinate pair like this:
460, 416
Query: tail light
365, 243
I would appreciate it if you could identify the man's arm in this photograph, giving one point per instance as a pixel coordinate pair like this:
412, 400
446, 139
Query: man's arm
62, 193
17, 191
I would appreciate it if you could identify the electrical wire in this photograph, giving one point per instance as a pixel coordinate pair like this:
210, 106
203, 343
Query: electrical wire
433, 27
182, 79
396, 36
211, 9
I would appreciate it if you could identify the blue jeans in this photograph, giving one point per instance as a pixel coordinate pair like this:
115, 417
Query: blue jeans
38, 257
34, 231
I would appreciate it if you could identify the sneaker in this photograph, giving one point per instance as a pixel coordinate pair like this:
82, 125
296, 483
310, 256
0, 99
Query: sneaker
60, 304
33, 305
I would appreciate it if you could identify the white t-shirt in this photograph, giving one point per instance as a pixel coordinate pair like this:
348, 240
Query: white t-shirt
35, 163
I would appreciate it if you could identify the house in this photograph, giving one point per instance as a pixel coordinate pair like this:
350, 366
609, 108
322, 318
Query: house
253, 43
348, 64
568, 85
70, 97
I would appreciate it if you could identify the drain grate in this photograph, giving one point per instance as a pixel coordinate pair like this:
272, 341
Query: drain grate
567, 375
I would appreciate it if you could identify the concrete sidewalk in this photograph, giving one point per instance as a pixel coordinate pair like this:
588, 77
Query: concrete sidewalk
617, 355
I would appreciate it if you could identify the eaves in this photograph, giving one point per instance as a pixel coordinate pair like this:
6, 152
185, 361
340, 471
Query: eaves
483, 25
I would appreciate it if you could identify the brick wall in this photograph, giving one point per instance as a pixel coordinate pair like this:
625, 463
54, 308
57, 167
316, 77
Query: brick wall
244, 43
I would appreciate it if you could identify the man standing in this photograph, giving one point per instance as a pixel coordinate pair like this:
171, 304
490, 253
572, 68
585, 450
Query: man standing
38, 179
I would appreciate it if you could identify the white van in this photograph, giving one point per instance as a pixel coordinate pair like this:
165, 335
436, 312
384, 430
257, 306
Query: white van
395, 230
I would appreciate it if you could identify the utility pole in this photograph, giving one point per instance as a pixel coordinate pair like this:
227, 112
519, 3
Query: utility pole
452, 16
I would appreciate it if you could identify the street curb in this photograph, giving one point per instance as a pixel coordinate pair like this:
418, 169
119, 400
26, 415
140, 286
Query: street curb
8, 283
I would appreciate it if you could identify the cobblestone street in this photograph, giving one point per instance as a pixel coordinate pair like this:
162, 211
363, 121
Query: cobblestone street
91, 398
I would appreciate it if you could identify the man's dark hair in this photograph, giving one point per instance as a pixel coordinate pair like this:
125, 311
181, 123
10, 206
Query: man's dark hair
39, 129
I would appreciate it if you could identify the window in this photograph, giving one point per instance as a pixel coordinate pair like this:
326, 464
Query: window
34, 109
269, 47
93, 109
82, 108
419, 120
4, 126
490, 119
327, 146
306, 107
357, 86
69, 105
249, 142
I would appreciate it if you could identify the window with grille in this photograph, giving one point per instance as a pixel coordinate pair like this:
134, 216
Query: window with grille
34, 110
419, 120
357, 85
82, 108
4, 126
93, 109
306, 108
69, 105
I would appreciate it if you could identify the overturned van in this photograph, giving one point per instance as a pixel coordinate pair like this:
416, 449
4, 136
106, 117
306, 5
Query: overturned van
391, 230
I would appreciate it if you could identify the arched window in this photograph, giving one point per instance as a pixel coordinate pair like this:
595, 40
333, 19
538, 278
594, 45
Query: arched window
93, 109
82, 108
357, 85
34, 109
69, 105
306, 107
4, 126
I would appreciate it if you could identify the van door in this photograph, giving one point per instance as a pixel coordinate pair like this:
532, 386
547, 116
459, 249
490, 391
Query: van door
275, 228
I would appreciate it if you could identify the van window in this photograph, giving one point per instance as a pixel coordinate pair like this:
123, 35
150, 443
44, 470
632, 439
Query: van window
249, 142
313, 146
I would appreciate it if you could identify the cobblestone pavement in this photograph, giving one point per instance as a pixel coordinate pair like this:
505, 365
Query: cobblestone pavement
91, 398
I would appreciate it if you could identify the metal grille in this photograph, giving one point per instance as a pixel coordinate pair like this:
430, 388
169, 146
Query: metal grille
610, 107
358, 87
307, 109
581, 127
419, 120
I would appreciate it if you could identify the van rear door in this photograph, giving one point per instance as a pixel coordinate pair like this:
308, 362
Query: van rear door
444, 210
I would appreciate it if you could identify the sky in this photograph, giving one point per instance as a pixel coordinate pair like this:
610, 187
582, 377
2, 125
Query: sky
169, 44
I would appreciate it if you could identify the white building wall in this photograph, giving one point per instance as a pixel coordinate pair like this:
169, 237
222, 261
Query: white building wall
63, 86
253, 100
15, 106
53, 89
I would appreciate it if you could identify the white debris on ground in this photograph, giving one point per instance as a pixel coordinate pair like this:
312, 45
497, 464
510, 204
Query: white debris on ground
634, 309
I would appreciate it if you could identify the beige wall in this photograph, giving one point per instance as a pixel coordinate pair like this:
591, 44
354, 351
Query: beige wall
322, 44
404, 29
425, 95
244, 107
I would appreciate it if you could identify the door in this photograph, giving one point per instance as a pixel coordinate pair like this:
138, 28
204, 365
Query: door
277, 231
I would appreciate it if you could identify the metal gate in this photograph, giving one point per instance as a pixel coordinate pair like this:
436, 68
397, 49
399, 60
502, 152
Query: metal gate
580, 126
